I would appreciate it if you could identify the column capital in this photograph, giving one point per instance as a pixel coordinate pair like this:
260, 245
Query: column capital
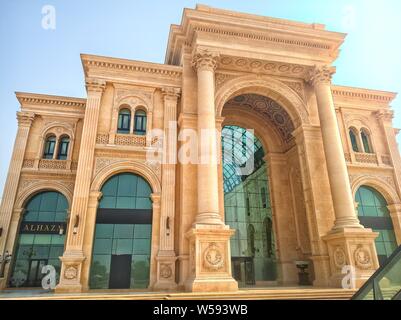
95, 85
205, 59
320, 74
384, 114
171, 93
25, 119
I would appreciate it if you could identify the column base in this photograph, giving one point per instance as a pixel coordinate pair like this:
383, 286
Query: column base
210, 259
70, 276
3, 283
165, 271
351, 249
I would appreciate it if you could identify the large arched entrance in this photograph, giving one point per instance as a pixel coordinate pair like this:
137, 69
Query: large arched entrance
41, 239
373, 213
122, 241
247, 207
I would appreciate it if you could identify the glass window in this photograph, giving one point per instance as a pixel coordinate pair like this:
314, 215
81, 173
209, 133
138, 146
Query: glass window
63, 148
124, 121
140, 122
373, 212
354, 142
50, 144
43, 207
247, 206
366, 142
123, 191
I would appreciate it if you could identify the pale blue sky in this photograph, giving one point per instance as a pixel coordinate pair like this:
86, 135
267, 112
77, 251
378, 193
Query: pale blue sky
36, 60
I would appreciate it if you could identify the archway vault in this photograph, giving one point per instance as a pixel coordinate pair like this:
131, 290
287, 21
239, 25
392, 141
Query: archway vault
268, 87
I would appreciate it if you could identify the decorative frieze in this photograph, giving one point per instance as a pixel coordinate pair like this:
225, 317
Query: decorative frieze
368, 158
130, 140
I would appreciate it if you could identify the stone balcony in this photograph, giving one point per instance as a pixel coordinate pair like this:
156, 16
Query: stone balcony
371, 159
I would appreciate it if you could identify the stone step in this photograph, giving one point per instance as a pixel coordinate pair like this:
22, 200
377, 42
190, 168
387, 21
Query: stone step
259, 294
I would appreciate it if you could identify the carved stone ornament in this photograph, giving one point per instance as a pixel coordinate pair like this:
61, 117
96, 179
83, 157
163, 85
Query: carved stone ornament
321, 74
204, 59
339, 257
165, 271
362, 258
213, 257
71, 272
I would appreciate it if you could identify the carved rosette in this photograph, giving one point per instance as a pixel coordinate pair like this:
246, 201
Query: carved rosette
213, 257
71, 272
165, 271
362, 258
204, 59
320, 74
339, 257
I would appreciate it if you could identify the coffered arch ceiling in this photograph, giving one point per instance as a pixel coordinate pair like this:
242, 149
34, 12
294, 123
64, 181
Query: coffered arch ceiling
268, 109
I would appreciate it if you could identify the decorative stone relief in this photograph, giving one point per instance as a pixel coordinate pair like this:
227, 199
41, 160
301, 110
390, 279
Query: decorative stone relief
297, 87
267, 108
254, 65
362, 258
165, 271
339, 257
222, 78
213, 258
71, 272
386, 179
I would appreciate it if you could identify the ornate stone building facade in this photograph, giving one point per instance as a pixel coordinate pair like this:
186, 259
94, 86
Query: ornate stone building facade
82, 195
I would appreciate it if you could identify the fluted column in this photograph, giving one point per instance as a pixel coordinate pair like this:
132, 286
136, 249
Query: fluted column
73, 255
25, 120
166, 256
340, 187
205, 63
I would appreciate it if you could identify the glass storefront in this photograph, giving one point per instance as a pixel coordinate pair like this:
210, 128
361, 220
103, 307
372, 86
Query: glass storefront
41, 239
373, 213
248, 207
121, 250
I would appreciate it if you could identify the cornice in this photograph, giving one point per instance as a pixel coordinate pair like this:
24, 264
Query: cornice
363, 94
41, 99
116, 64
223, 23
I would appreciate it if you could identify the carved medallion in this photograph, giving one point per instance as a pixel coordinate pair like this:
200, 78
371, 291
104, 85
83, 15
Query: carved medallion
213, 258
339, 257
71, 272
165, 271
362, 258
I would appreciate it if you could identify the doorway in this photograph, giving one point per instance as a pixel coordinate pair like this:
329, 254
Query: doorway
120, 271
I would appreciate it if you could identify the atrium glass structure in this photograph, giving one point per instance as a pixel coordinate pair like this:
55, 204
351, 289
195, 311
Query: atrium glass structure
248, 208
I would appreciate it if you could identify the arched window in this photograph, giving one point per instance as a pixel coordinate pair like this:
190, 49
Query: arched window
140, 122
353, 139
367, 146
373, 213
40, 240
124, 121
63, 148
50, 145
122, 242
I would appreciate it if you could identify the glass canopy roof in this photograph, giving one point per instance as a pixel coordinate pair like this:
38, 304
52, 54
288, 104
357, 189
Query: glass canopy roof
242, 155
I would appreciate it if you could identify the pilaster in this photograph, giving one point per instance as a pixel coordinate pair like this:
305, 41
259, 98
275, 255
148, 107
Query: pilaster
73, 258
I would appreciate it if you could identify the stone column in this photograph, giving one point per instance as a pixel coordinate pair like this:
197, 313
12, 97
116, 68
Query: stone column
166, 256
25, 120
336, 167
348, 242
210, 258
72, 260
395, 214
